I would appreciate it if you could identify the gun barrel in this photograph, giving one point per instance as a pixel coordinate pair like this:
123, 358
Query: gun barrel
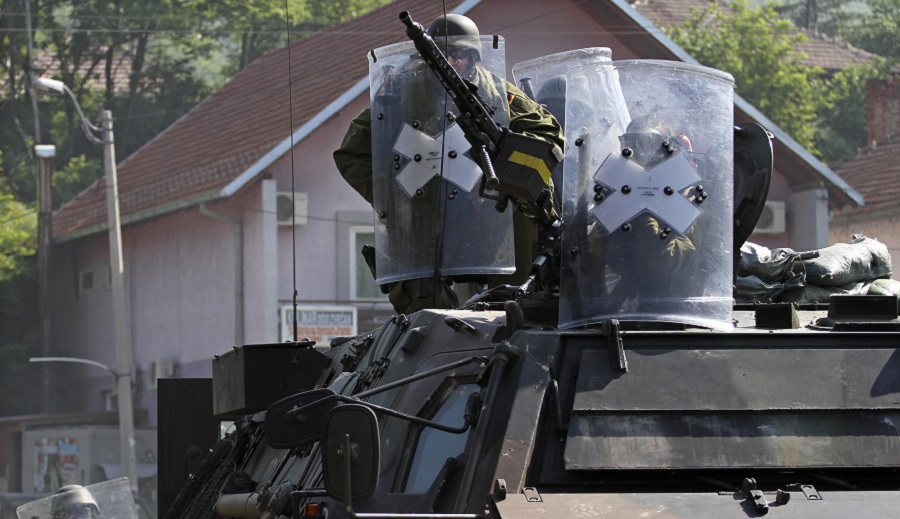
413, 28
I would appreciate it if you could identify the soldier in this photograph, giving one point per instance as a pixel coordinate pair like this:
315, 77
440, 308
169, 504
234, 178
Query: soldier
460, 36
74, 502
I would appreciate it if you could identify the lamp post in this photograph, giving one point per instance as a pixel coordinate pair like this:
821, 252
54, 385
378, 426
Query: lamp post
44, 154
122, 371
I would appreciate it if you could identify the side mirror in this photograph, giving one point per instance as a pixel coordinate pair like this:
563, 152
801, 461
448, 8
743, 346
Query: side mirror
352, 453
297, 420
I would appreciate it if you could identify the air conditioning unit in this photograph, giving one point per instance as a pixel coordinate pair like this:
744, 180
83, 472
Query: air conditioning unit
159, 368
285, 202
771, 221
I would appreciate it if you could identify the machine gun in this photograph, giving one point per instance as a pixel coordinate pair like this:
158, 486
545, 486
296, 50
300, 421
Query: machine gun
515, 165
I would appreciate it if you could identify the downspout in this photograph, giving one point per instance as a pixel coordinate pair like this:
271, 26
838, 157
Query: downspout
238, 270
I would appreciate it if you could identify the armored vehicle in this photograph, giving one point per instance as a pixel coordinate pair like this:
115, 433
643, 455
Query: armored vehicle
619, 379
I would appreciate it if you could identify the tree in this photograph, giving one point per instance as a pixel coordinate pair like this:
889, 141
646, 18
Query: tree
879, 33
18, 225
841, 130
831, 17
757, 47
257, 26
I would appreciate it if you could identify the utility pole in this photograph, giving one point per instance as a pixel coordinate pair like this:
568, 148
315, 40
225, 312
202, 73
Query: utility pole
45, 154
123, 370
117, 268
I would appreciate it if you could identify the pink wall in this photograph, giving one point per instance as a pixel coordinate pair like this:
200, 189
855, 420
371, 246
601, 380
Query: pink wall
316, 175
180, 298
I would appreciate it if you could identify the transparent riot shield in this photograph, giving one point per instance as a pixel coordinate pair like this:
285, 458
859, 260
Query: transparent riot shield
647, 212
429, 217
544, 80
106, 499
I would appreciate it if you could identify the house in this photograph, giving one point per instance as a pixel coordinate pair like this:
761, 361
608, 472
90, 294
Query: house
875, 172
821, 51
782, 223
209, 261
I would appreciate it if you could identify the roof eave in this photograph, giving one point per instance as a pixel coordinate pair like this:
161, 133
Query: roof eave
142, 215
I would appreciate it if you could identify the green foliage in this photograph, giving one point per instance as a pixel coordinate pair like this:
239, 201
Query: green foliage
18, 230
256, 26
872, 25
77, 174
879, 33
831, 17
757, 47
841, 130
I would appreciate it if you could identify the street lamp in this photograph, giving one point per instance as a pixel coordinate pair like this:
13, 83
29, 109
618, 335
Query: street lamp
116, 266
44, 154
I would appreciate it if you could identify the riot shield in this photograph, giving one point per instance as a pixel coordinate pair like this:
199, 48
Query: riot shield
106, 499
429, 218
544, 80
647, 209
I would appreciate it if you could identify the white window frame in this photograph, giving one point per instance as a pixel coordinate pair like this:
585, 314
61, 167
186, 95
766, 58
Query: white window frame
357, 262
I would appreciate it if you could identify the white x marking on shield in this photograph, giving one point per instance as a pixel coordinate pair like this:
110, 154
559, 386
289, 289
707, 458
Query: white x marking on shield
414, 144
647, 192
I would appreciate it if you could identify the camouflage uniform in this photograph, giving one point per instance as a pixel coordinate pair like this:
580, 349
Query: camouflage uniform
354, 161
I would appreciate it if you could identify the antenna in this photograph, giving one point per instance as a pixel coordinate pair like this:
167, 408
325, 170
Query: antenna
287, 31
439, 249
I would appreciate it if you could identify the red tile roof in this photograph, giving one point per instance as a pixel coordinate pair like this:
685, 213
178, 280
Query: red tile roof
875, 173
219, 139
207, 148
47, 64
829, 54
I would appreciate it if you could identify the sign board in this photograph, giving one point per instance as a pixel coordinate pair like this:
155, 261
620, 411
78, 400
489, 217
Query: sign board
56, 464
318, 323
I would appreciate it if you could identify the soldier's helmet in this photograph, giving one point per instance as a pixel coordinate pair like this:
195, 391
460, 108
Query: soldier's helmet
552, 95
462, 31
646, 137
74, 502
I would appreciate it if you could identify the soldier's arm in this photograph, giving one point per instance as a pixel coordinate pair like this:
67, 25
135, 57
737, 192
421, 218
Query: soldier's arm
354, 157
530, 118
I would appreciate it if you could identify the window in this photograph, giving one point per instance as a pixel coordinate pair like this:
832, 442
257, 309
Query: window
362, 284
433, 446
85, 281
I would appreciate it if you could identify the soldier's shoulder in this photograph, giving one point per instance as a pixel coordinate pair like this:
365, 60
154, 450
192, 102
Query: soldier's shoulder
519, 100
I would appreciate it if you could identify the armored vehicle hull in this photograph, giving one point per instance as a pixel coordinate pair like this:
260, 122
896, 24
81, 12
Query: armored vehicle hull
494, 412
